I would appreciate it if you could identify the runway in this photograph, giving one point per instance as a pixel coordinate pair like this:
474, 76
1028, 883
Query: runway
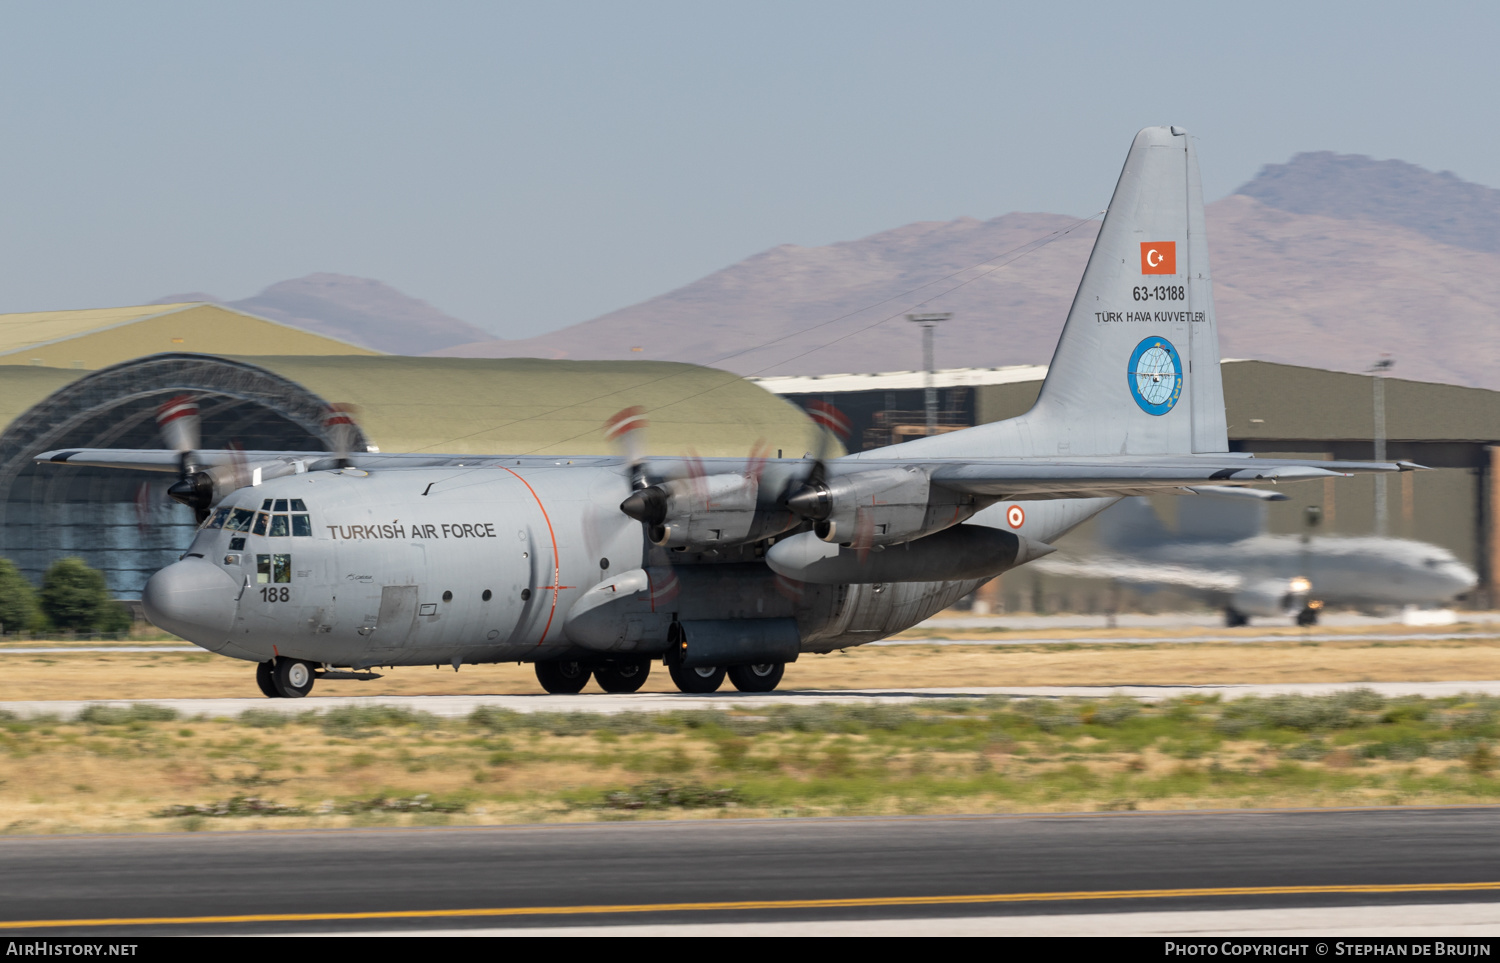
1260, 871
458, 706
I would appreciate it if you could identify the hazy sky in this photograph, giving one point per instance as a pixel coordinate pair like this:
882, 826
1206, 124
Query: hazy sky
528, 166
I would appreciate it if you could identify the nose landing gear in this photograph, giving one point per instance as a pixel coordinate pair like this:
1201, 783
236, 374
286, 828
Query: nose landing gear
284, 678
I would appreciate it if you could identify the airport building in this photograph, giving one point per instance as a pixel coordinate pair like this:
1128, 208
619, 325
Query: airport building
94, 379
1272, 409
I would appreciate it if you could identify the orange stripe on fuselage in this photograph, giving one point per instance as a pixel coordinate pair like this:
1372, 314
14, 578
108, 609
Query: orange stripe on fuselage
556, 562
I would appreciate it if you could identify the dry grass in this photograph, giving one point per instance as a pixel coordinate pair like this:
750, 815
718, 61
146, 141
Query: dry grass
114, 771
163, 675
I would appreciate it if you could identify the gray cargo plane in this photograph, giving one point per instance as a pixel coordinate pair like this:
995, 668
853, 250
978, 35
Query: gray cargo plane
1222, 554
314, 565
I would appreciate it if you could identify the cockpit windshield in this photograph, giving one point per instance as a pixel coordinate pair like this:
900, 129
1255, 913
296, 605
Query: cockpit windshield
290, 519
239, 520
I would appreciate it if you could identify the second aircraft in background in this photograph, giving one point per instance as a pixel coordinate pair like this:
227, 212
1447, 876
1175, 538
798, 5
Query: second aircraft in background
1222, 553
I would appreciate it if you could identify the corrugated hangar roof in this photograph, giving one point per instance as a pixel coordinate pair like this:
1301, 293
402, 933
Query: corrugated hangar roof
509, 405
537, 406
99, 337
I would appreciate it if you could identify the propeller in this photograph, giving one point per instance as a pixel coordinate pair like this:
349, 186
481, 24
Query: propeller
626, 430
180, 423
341, 431
809, 497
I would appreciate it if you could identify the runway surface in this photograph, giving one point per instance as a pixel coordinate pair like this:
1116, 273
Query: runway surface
1275, 869
457, 706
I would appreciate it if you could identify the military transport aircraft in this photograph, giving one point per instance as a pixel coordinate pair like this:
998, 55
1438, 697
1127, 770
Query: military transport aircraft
1222, 554
310, 564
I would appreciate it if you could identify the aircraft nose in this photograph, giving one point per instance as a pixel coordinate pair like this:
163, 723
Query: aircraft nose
1461, 578
192, 598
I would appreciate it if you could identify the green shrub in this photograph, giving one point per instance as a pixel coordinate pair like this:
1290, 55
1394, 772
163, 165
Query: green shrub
101, 715
76, 598
19, 610
357, 720
1303, 713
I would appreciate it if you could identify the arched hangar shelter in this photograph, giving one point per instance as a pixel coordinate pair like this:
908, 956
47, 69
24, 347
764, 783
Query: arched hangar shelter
124, 524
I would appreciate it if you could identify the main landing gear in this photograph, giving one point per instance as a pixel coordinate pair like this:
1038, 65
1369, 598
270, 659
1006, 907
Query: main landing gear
284, 678
567, 676
746, 678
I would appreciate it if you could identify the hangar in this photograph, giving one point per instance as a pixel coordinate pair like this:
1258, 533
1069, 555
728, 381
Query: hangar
1272, 409
123, 523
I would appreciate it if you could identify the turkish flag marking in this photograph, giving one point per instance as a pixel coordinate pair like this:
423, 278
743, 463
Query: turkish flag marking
1158, 257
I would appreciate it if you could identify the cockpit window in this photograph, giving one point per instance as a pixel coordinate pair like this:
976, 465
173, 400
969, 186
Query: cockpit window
239, 520
260, 523
216, 520
280, 505
265, 506
279, 525
298, 506
301, 524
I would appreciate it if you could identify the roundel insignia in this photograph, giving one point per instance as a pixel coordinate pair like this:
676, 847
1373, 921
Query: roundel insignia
1155, 376
1015, 517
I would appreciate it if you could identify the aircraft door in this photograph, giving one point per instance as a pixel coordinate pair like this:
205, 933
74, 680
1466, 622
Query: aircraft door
397, 617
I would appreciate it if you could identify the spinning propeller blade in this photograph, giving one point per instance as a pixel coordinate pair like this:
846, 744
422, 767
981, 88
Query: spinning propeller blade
180, 425
807, 496
340, 430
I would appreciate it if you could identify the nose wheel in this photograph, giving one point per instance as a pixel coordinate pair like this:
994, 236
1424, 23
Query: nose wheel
285, 678
263, 672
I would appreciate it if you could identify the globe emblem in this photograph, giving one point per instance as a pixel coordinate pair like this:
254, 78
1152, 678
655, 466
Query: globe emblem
1155, 376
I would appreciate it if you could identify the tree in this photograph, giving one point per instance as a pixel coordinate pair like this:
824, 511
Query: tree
76, 597
19, 611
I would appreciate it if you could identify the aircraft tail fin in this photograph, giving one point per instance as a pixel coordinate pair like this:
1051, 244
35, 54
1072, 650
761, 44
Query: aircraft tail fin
1136, 370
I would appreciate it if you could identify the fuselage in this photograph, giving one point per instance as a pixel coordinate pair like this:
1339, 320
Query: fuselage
470, 565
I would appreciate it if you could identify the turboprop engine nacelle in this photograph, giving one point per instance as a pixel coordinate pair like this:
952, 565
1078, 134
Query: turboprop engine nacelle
1272, 596
707, 511
886, 506
954, 554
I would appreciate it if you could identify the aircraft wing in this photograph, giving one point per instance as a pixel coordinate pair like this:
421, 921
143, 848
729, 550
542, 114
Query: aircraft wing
1009, 478
164, 460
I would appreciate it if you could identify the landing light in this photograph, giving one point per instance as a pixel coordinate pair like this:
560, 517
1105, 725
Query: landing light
1299, 584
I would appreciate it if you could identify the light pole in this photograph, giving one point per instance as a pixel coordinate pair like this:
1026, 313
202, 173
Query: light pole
928, 323
1379, 370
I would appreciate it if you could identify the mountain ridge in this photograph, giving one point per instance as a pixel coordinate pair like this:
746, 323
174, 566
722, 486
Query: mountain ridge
360, 310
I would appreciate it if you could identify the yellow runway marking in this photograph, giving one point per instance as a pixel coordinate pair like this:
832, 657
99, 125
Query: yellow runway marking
783, 904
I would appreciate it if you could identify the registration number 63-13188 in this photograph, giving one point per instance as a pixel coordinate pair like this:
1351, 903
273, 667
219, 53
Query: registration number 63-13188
275, 593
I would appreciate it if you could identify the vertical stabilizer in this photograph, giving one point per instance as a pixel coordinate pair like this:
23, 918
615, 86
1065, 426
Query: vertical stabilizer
1136, 370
